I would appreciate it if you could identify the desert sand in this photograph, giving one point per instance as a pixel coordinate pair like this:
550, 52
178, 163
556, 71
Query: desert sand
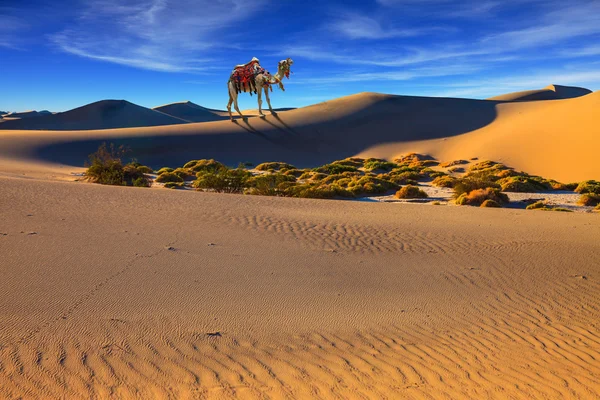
132, 292
553, 138
551, 92
122, 292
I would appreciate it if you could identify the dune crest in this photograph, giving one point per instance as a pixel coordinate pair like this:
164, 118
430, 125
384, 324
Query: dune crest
188, 111
550, 92
104, 114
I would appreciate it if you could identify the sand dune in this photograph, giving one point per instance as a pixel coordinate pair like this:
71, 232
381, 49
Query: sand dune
551, 92
556, 139
105, 114
190, 112
111, 292
23, 114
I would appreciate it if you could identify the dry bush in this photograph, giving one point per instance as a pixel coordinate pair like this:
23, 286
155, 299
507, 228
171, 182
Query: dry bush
333, 168
204, 165
352, 162
444, 181
274, 166
448, 164
410, 192
589, 200
468, 184
490, 203
269, 184
537, 205
588, 187
523, 184
165, 169
223, 180
372, 165
168, 177
105, 165
478, 196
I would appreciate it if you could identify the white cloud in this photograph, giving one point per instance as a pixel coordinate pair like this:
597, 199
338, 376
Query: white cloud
162, 35
356, 26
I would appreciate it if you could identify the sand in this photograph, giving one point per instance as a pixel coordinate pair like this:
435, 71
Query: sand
191, 112
132, 292
122, 292
553, 138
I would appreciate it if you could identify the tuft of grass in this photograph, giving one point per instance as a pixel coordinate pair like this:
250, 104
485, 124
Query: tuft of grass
205, 165
478, 196
490, 203
468, 184
524, 184
164, 169
589, 200
588, 187
536, 205
333, 168
444, 181
269, 184
449, 164
185, 173
351, 161
174, 185
274, 166
375, 164
168, 177
410, 192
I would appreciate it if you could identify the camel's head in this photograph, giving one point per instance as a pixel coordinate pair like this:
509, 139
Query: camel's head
285, 65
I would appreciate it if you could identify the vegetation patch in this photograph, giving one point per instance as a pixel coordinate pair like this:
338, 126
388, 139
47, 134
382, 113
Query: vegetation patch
410, 192
490, 203
589, 200
168, 177
521, 183
478, 196
105, 167
204, 165
275, 166
373, 164
164, 169
588, 187
334, 168
449, 164
444, 181
223, 180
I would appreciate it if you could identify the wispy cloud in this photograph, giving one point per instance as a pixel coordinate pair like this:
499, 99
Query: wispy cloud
161, 35
358, 26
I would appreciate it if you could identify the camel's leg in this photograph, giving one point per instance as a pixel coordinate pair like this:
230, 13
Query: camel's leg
231, 88
268, 98
259, 95
234, 96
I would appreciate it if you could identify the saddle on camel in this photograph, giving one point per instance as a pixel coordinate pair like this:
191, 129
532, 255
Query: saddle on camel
243, 76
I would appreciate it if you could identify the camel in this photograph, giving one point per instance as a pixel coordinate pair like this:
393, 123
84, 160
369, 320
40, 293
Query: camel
261, 80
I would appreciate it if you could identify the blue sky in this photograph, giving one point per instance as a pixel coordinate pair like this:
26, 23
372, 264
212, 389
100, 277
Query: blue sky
62, 54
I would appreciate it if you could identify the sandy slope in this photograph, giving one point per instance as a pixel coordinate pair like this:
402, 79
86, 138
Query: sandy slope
105, 114
551, 92
120, 292
191, 112
554, 138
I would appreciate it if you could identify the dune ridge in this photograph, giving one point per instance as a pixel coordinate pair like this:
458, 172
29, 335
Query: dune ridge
190, 112
224, 296
105, 114
550, 92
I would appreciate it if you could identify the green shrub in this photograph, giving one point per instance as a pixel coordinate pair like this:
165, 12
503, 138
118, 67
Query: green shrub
371, 165
588, 187
144, 169
410, 192
223, 180
490, 203
269, 184
478, 196
274, 166
168, 177
205, 165
485, 165
445, 181
295, 172
185, 173
330, 169
523, 184
105, 165
561, 209
536, 205
351, 162
174, 185
468, 184
164, 169
315, 190
589, 200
